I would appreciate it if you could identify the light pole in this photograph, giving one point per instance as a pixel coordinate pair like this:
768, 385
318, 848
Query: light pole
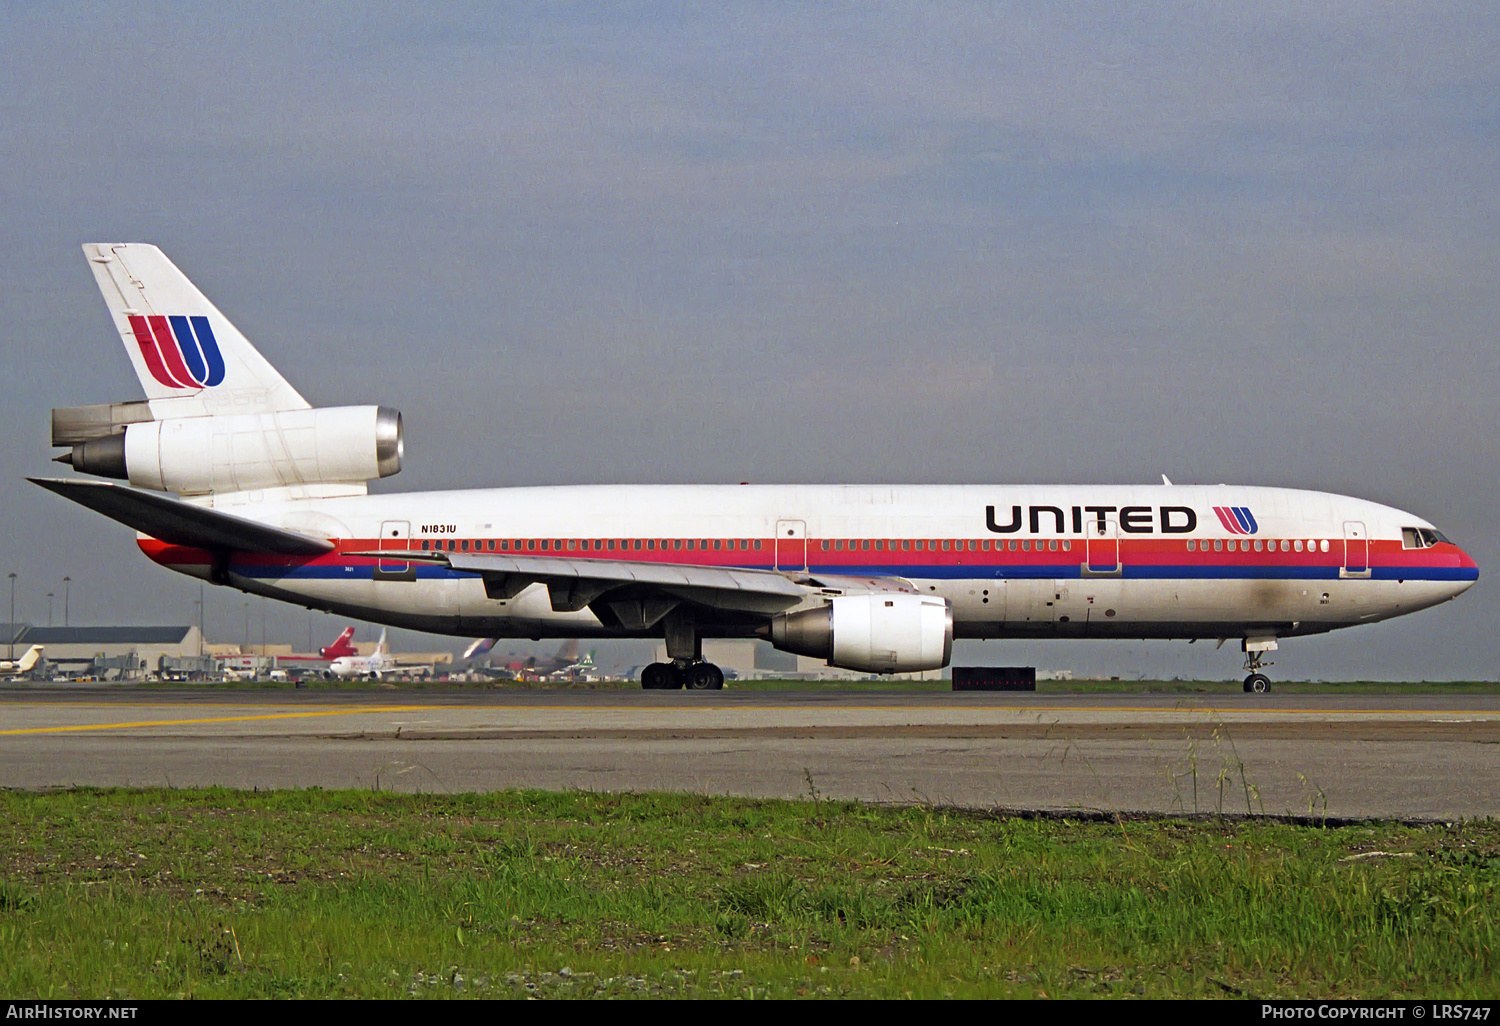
12, 616
49, 609
66, 582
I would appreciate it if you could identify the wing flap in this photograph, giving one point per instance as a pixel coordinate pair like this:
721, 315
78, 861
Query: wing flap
182, 523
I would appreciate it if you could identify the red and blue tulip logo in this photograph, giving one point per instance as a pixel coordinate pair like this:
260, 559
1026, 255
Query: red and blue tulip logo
180, 352
1237, 519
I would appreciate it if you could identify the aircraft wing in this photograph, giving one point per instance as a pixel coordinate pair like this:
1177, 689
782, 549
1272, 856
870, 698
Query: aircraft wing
181, 523
637, 594
575, 583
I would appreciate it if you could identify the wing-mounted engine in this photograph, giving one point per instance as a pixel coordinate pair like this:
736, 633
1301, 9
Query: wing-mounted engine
877, 633
343, 445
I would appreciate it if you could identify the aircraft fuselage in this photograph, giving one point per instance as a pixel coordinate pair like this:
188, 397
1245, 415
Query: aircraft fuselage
1160, 561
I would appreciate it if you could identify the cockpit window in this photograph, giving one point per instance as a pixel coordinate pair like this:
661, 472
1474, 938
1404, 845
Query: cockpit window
1421, 537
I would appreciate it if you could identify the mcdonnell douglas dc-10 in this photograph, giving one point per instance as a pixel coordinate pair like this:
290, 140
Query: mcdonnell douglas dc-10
272, 499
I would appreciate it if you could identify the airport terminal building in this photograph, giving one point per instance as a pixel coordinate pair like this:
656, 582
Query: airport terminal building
116, 653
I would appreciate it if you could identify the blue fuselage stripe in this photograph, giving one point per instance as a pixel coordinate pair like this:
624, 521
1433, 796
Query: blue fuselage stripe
942, 572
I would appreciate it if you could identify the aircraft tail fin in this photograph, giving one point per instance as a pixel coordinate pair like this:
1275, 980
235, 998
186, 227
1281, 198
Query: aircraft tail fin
381, 647
479, 647
342, 645
27, 661
189, 358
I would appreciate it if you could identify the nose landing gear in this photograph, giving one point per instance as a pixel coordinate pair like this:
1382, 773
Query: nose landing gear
1255, 649
1257, 684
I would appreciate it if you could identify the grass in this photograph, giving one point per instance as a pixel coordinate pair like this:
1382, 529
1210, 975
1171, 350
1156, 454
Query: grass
215, 893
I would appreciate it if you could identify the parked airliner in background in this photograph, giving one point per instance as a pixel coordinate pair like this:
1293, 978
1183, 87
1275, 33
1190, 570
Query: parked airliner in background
23, 665
370, 666
343, 645
877, 578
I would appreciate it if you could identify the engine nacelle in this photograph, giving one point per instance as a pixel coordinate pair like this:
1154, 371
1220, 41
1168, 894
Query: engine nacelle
880, 633
198, 455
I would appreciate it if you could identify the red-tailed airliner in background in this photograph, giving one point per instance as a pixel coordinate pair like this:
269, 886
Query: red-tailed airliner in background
272, 500
343, 645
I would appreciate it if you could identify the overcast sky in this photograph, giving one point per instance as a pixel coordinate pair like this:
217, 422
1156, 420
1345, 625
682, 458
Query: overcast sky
935, 242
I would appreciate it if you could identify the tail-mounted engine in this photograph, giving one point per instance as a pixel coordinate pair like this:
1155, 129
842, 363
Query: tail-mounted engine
200, 455
880, 633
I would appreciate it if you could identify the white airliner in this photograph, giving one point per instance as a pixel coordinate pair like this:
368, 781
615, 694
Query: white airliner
22, 665
371, 666
876, 578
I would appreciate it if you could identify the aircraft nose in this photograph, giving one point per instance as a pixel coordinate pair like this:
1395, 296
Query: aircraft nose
1468, 572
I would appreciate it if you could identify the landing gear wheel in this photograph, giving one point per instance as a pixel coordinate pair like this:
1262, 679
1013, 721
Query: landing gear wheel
1257, 684
704, 677
660, 677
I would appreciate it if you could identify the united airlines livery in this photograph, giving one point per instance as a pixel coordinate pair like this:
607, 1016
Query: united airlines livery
271, 498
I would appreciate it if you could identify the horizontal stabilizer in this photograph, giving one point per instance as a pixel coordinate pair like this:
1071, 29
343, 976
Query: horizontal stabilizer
181, 523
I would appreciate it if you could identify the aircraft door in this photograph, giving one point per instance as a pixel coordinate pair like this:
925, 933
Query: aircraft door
791, 545
396, 535
1356, 550
1102, 544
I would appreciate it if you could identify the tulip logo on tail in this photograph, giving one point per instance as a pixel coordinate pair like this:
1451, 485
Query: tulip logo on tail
1237, 519
180, 352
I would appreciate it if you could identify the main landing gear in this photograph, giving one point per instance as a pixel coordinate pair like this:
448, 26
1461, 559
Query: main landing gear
687, 668
1255, 650
696, 676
